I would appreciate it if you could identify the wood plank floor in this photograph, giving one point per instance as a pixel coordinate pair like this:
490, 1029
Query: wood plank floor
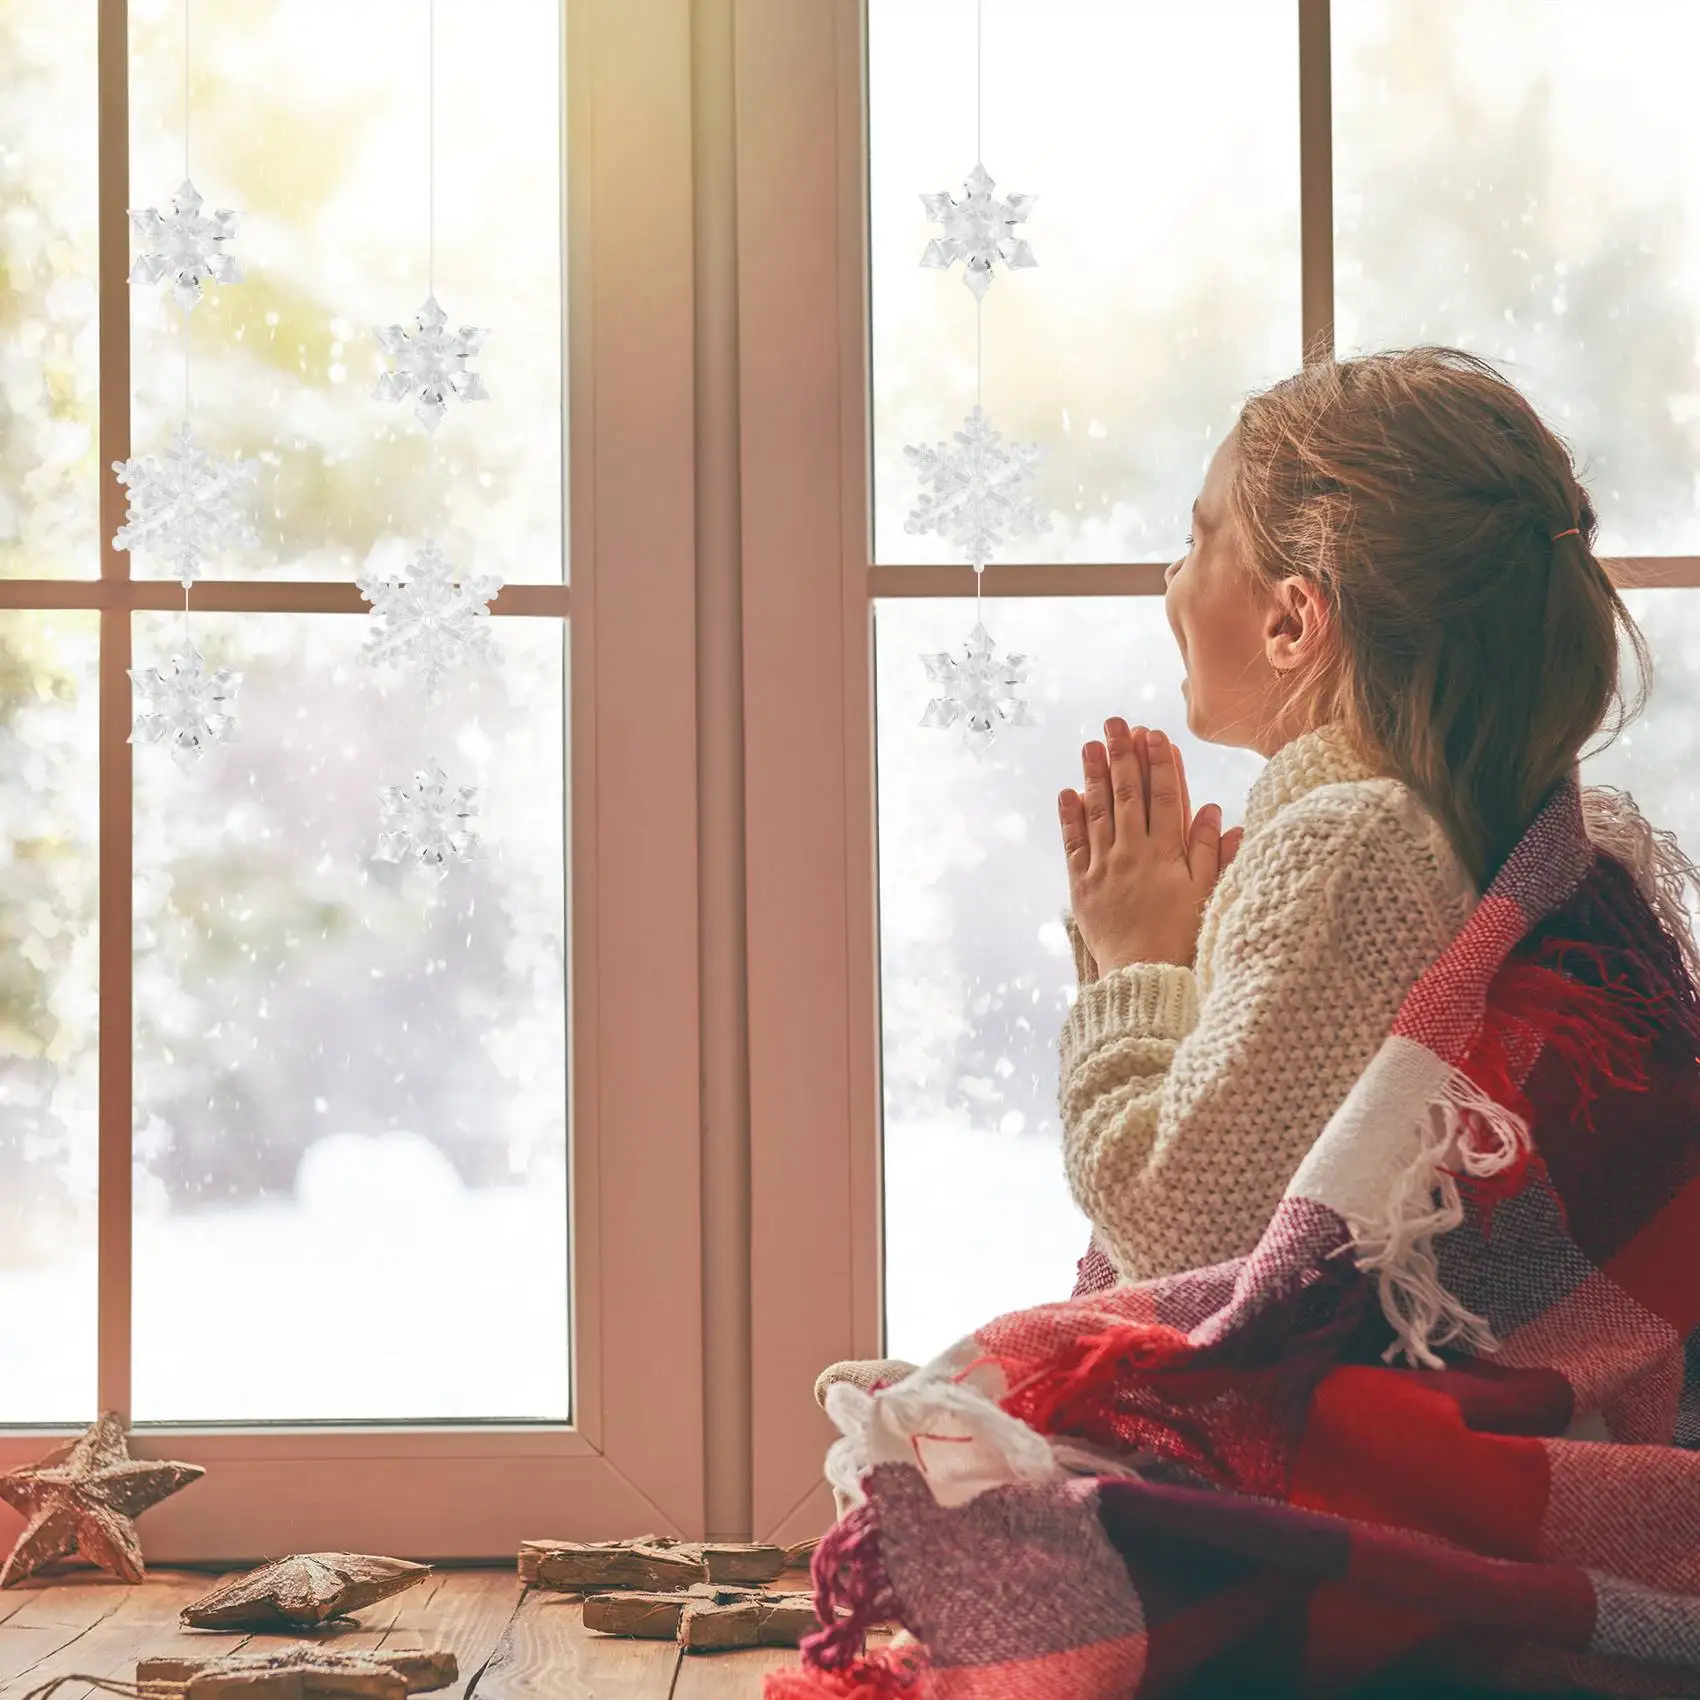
512, 1642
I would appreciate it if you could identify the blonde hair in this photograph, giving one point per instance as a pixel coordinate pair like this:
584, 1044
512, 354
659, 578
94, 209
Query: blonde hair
1476, 648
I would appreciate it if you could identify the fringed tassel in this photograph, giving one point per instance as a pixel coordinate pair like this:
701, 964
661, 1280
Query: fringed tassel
1464, 1129
1655, 860
884, 1674
1075, 1392
853, 1594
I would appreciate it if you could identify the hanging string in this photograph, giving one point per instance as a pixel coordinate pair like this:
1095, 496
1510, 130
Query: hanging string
431, 146
184, 317
979, 300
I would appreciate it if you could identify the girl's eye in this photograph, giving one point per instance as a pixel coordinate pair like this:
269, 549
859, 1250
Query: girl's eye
1189, 540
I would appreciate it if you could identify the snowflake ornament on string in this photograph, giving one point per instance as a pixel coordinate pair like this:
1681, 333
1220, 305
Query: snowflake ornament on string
185, 246
978, 498
185, 505
424, 619
980, 690
432, 362
979, 230
427, 823
184, 706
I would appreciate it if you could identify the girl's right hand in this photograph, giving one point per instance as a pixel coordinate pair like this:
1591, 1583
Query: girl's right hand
1140, 864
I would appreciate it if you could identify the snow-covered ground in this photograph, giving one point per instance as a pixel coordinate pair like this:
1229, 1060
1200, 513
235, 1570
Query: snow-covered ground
976, 1223
382, 1289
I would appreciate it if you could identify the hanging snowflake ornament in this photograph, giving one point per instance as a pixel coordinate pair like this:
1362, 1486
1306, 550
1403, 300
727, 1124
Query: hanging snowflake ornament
185, 246
979, 496
427, 823
425, 620
979, 230
183, 705
979, 691
185, 505
431, 362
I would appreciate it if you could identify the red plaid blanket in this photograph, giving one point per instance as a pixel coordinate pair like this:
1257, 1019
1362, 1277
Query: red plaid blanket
1436, 1433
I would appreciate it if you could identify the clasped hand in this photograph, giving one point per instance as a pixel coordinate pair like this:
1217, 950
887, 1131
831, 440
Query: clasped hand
1140, 863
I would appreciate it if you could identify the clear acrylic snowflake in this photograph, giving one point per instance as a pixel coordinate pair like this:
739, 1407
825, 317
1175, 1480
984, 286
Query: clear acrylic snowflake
978, 498
185, 505
427, 823
432, 362
183, 705
425, 620
184, 245
979, 690
978, 230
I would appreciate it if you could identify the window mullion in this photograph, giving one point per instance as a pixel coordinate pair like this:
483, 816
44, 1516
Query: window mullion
1316, 181
116, 821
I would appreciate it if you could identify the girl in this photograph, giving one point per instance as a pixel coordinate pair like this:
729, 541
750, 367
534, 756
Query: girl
1390, 591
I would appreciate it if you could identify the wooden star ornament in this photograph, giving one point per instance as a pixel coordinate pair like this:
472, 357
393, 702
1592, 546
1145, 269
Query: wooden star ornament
303, 1591
84, 1499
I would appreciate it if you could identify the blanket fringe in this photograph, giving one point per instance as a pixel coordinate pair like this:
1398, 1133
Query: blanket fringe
1465, 1129
888, 1673
1663, 873
853, 1594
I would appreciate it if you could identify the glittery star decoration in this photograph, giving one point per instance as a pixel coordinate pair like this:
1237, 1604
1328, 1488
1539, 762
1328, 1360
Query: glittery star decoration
303, 1591
424, 619
427, 823
185, 505
432, 363
979, 691
979, 496
300, 1670
978, 230
185, 246
83, 1498
183, 705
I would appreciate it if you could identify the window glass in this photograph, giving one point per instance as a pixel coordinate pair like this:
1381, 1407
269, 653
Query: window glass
1161, 295
975, 970
351, 1083
49, 289
49, 984
1523, 179
309, 118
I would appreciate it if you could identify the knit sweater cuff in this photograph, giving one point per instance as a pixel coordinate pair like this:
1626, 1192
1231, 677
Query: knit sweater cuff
1085, 968
1145, 1000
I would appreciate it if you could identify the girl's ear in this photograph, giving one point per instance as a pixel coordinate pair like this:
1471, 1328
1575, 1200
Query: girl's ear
1295, 635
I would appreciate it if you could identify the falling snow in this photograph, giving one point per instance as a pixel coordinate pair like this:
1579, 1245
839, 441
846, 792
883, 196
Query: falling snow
979, 497
184, 706
424, 620
185, 246
427, 823
431, 363
185, 505
979, 230
979, 690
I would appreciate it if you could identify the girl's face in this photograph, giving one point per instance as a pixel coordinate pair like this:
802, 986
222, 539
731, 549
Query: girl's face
1224, 618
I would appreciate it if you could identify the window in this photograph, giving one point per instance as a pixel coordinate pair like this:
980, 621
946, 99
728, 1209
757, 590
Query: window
1219, 189
339, 1181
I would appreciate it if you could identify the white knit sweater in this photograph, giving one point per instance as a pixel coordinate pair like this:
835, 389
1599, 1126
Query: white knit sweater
1190, 1095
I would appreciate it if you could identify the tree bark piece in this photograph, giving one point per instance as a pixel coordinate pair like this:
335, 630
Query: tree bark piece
706, 1618
652, 1563
299, 1672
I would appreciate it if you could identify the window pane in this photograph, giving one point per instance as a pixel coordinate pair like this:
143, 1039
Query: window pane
1523, 179
49, 771
975, 969
1655, 757
1162, 143
351, 1084
310, 119
49, 343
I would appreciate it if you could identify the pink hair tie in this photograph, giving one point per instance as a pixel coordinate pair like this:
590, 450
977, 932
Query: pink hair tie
1574, 531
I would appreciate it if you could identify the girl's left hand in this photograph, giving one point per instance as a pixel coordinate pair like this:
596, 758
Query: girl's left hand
1140, 863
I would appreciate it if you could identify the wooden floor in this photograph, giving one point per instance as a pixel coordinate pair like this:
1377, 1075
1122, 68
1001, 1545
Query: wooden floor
513, 1643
